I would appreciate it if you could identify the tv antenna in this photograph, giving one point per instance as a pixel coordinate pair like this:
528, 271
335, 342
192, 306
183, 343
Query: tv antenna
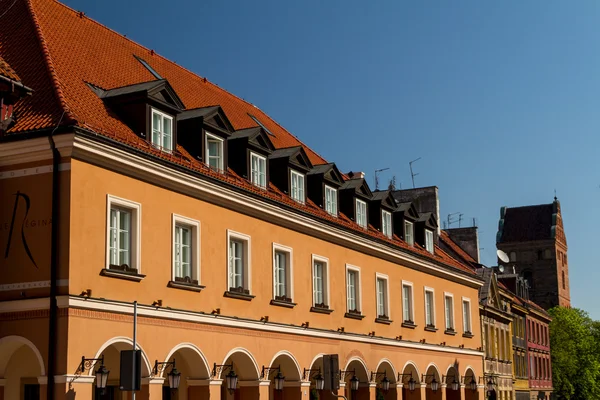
452, 220
377, 171
412, 174
392, 185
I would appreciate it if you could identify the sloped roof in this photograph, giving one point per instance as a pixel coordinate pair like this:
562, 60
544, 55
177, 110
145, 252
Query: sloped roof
7, 72
446, 241
522, 224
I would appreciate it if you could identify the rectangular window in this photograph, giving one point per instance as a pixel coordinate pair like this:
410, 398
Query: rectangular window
186, 250
407, 303
429, 240
162, 130
123, 235
466, 306
331, 201
320, 282
386, 221
353, 290
238, 265
214, 152
449, 309
409, 236
297, 191
258, 170
381, 283
361, 213
282, 273
429, 308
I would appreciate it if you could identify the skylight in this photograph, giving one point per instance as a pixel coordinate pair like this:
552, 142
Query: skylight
259, 123
148, 67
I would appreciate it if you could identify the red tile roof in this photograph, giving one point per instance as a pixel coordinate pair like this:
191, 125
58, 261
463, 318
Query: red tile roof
447, 240
7, 72
58, 50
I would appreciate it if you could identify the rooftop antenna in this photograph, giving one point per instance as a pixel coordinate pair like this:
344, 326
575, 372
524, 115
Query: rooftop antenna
377, 171
412, 174
460, 215
452, 220
392, 185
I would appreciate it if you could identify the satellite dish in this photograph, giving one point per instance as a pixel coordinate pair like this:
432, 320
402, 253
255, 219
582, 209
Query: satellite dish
501, 268
502, 256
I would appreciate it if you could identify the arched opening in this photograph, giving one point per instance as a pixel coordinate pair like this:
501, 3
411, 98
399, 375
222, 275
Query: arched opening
245, 367
356, 369
471, 389
433, 376
289, 368
411, 379
452, 381
316, 368
111, 351
385, 370
21, 364
194, 370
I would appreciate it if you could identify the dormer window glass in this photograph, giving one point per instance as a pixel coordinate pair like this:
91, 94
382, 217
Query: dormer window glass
409, 235
386, 223
297, 186
258, 170
331, 200
361, 213
162, 130
429, 240
214, 152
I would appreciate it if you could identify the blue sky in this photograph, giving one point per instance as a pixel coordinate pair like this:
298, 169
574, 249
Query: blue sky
499, 99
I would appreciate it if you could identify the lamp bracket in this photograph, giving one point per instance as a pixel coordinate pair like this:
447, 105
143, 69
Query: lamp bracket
374, 375
159, 367
344, 372
402, 376
85, 365
452, 376
308, 373
218, 369
266, 371
425, 376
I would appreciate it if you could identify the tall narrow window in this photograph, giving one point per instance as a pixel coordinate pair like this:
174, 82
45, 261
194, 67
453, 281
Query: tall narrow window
331, 201
297, 183
162, 130
282, 273
183, 252
120, 237
382, 297
409, 236
564, 284
466, 307
258, 170
429, 308
449, 309
429, 240
238, 265
214, 152
407, 304
353, 290
123, 236
361, 213
320, 283
386, 221
186, 253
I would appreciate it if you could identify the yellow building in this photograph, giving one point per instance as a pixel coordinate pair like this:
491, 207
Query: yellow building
125, 178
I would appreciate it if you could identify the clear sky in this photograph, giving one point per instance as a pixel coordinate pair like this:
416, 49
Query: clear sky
499, 99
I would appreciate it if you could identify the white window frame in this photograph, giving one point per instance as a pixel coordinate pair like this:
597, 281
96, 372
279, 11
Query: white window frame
247, 252
335, 202
210, 136
412, 301
386, 228
453, 327
411, 242
358, 289
292, 173
467, 300
194, 225
386, 305
429, 246
136, 231
364, 203
289, 273
325, 262
425, 290
260, 158
162, 132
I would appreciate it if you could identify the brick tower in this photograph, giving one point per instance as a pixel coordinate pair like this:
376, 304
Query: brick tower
535, 241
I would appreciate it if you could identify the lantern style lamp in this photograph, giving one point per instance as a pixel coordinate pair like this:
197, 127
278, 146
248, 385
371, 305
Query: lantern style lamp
101, 377
454, 385
354, 383
385, 384
411, 384
174, 378
473, 384
279, 380
231, 381
319, 382
435, 385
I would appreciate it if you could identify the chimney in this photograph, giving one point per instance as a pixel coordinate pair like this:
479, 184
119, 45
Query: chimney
467, 239
425, 199
356, 175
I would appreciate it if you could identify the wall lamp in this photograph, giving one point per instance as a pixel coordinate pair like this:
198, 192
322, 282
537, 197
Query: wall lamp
454, 385
411, 382
354, 382
385, 382
101, 373
319, 379
231, 378
435, 385
174, 376
279, 378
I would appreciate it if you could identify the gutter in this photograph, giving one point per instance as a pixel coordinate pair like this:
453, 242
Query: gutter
14, 83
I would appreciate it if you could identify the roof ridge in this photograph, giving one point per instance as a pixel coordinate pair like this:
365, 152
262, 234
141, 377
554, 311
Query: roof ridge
62, 101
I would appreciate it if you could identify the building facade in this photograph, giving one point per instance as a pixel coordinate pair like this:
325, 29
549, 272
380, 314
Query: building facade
134, 190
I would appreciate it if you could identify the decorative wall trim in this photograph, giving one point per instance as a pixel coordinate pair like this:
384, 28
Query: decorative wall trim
31, 285
42, 169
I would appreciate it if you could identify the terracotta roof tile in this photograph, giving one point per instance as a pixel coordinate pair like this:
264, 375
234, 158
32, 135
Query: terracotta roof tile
7, 72
447, 240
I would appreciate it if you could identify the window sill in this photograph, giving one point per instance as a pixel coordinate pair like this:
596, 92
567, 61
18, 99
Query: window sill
238, 295
321, 310
431, 328
129, 276
354, 316
408, 324
451, 332
468, 335
185, 286
282, 303
385, 320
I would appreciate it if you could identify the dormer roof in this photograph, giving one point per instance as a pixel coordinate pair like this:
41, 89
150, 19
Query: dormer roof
386, 199
296, 156
256, 136
10, 77
409, 210
158, 90
213, 116
359, 186
330, 173
429, 219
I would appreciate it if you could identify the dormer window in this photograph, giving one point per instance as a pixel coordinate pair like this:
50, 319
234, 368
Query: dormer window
258, 173
361, 213
429, 240
214, 152
331, 200
297, 186
409, 235
386, 223
162, 130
